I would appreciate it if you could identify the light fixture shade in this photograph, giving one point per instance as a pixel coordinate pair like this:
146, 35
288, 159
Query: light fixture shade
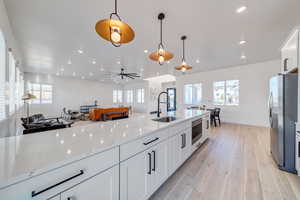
161, 55
103, 28
187, 67
183, 67
155, 55
28, 96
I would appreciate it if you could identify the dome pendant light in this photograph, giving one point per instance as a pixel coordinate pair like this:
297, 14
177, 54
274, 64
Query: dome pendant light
183, 67
114, 30
161, 55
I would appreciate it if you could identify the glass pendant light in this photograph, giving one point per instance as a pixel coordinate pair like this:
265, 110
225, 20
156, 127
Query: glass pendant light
161, 55
183, 67
114, 30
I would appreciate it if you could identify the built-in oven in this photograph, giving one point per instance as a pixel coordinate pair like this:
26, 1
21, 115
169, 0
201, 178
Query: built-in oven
197, 130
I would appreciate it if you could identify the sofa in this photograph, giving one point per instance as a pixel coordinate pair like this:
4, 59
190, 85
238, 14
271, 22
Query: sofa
104, 114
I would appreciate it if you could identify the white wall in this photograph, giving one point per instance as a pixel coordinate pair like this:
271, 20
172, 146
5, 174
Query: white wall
11, 125
71, 93
254, 91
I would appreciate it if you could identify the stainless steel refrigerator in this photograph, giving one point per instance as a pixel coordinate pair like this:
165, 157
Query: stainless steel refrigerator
283, 115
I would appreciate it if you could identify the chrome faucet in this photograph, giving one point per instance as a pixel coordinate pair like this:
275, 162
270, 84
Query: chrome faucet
158, 102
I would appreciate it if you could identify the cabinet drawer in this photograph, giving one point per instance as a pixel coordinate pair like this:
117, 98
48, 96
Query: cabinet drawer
134, 147
176, 129
53, 182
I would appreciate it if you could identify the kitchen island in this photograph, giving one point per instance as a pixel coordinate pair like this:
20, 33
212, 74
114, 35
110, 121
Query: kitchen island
124, 159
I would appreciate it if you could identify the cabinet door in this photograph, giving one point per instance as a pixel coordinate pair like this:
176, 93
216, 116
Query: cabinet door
174, 155
136, 177
159, 165
290, 53
102, 186
186, 144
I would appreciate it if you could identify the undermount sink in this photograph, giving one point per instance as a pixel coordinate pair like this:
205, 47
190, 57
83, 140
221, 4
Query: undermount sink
165, 119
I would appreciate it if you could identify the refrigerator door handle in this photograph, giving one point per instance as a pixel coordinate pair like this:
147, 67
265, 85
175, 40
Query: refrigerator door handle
270, 104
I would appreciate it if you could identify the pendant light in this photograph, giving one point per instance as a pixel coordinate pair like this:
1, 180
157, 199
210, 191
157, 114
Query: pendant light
183, 67
161, 55
114, 30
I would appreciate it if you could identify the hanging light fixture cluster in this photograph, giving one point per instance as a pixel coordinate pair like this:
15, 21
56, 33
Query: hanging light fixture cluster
118, 33
183, 67
114, 30
161, 55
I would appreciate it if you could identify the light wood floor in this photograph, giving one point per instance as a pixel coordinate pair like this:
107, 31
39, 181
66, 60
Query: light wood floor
235, 164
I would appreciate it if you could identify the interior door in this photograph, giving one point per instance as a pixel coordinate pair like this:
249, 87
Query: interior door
172, 99
136, 177
102, 186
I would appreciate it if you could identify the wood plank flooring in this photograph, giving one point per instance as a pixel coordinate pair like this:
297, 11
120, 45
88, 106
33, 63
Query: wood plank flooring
235, 164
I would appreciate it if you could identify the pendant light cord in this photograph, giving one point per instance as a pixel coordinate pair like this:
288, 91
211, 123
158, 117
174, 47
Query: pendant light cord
116, 6
183, 52
161, 31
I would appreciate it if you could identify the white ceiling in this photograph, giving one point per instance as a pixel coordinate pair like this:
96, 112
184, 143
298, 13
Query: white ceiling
51, 31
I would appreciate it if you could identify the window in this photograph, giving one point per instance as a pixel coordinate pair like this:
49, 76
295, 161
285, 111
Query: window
193, 93
129, 96
46, 94
117, 96
43, 93
226, 92
140, 95
12, 81
2, 76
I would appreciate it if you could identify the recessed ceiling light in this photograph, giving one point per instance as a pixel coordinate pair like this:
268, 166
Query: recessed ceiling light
119, 62
142, 69
101, 69
241, 9
243, 57
145, 51
80, 51
69, 62
94, 62
243, 42
91, 74
197, 61
74, 74
168, 62
62, 69
82, 77
57, 74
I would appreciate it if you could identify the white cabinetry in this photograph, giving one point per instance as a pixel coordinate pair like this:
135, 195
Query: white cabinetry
102, 186
206, 127
290, 52
142, 174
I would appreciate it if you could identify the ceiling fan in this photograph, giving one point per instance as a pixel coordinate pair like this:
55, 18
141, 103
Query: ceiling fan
128, 75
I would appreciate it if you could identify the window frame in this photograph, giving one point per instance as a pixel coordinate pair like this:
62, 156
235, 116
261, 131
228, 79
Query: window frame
117, 96
226, 85
140, 95
37, 90
194, 92
129, 96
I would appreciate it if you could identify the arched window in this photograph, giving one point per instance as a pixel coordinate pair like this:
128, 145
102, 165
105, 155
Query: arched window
2, 75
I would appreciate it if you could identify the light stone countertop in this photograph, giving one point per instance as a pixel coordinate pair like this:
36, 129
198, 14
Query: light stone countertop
22, 157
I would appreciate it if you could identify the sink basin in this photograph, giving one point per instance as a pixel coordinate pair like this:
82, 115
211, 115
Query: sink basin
165, 119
